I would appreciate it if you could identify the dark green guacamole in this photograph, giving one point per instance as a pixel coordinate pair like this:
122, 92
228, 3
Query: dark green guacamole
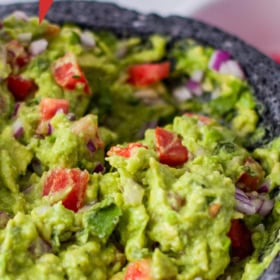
130, 159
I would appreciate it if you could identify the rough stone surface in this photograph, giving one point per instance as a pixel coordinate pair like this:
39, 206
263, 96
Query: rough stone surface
262, 73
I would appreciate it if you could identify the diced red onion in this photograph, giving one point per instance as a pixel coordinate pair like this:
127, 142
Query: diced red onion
182, 94
16, 109
252, 203
71, 116
266, 207
217, 59
264, 188
17, 128
232, 67
50, 129
245, 208
99, 168
25, 37
194, 87
240, 193
243, 203
197, 76
257, 203
38, 47
20, 15
87, 40
4, 218
91, 146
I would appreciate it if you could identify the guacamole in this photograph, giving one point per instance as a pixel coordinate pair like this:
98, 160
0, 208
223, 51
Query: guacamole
130, 159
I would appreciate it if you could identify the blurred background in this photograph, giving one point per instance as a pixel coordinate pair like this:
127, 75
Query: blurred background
255, 21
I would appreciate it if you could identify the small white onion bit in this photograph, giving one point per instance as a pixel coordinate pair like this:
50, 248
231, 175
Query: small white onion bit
37, 47
232, 67
87, 40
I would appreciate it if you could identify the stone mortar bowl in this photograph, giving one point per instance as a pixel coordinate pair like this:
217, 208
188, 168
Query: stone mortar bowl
262, 73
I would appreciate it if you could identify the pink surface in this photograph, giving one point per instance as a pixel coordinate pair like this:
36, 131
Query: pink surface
255, 21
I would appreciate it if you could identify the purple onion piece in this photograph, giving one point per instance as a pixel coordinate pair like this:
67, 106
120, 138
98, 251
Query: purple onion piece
217, 59
99, 168
266, 207
252, 203
4, 218
257, 203
264, 188
16, 109
91, 146
244, 207
241, 193
243, 203
50, 129
194, 87
17, 128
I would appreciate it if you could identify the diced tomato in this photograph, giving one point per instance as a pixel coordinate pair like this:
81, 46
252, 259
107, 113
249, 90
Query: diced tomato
49, 107
149, 73
17, 56
125, 151
20, 88
170, 148
201, 118
251, 179
68, 74
59, 179
241, 242
139, 270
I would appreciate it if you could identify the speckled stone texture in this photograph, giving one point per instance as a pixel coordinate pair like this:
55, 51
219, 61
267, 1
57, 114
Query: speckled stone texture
262, 73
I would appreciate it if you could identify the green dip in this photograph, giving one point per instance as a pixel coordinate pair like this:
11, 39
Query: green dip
103, 174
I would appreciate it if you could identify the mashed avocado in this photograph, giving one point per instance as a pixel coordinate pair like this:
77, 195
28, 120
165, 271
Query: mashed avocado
117, 164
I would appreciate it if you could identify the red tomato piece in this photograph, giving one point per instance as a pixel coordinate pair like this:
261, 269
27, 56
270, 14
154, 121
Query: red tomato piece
17, 56
170, 148
148, 73
201, 118
49, 107
241, 242
251, 179
139, 270
61, 179
20, 88
68, 74
125, 151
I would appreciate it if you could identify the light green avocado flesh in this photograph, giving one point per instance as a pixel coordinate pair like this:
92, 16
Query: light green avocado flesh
137, 208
